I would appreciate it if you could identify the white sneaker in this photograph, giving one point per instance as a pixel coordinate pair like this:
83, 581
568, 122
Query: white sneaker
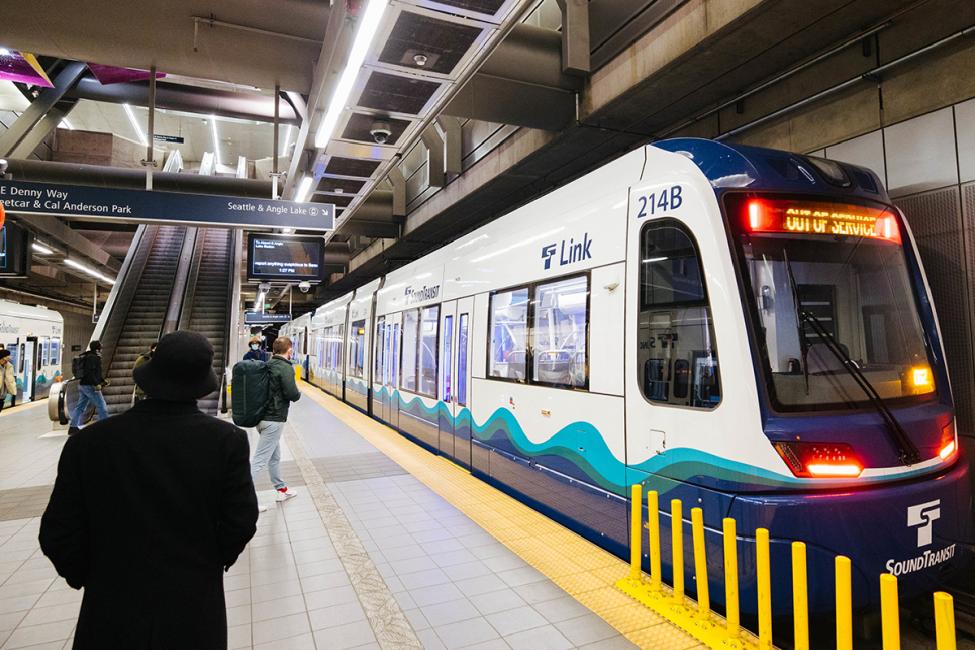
262, 507
284, 494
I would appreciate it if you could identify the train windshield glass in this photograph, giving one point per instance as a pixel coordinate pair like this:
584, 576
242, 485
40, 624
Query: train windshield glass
831, 289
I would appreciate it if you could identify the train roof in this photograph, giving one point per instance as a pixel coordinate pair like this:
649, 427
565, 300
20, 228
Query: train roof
737, 166
18, 310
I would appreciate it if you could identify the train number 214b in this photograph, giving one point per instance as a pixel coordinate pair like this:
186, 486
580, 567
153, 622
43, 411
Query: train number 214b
665, 200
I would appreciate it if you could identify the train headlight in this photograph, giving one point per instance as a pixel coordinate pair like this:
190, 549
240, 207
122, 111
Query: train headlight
820, 460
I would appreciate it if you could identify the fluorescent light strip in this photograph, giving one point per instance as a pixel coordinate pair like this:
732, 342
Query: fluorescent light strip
287, 140
135, 125
42, 249
216, 138
92, 272
304, 189
360, 47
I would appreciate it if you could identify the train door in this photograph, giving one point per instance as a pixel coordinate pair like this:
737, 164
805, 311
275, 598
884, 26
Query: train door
462, 382
447, 410
390, 370
29, 368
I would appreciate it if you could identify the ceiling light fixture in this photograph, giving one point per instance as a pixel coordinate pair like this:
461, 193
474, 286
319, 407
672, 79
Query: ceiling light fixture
288, 231
420, 59
41, 248
216, 138
360, 47
304, 189
135, 125
4, 51
90, 271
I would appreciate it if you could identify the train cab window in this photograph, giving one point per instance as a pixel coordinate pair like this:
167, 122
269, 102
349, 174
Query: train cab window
411, 323
560, 333
462, 360
509, 334
357, 355
677, 355
427, 352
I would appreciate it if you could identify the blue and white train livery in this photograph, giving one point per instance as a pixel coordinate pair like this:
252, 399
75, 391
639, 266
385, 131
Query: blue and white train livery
34, 337
747, 330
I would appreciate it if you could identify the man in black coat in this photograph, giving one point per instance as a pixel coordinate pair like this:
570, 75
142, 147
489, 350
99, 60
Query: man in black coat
150, 508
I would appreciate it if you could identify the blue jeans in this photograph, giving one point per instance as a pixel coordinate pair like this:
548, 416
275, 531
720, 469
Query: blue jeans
88, 395
268, 452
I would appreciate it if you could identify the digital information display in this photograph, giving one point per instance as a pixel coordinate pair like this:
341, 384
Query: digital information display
265, 318
280, 257
15, 253
837, 219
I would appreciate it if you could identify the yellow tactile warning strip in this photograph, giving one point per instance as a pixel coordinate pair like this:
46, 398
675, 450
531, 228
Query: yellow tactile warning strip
585, 571
20, 408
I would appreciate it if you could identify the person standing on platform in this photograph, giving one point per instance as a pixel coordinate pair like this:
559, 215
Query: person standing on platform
150, 546
8, 382
255, 352
90, 386
140, 394
283, 391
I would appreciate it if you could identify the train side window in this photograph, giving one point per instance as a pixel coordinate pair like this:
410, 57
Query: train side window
357, 357
427, 352
55, 351
411, 323
509, 334
462, 361
447, 389
677, 354
379, 358
560, 333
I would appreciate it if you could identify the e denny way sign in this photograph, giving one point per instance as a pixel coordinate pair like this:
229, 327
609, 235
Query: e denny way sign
21, 197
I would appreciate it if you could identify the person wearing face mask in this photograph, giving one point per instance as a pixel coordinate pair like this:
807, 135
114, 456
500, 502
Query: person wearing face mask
254, 350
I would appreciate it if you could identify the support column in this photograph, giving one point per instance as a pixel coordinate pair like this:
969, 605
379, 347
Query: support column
39, 108
575, 37
435, 157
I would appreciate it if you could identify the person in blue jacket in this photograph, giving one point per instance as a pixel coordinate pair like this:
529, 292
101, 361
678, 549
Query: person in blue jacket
255, 352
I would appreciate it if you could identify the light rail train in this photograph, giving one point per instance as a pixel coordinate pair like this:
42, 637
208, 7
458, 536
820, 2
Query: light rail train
34, 337
747, 330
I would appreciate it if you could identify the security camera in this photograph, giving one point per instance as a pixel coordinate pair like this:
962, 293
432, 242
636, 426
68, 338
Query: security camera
380, 131
3, 166
305, 286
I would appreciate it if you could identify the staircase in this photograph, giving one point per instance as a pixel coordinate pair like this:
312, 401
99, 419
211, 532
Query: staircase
145, 316
209, 308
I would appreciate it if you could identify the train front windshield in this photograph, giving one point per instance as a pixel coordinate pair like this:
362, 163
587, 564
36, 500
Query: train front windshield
833, 299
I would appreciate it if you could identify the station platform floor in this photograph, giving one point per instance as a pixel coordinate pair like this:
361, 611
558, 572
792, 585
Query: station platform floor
386, 546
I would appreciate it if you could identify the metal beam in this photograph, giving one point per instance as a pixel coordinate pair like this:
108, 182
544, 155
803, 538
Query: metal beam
192, 99
531, 55
331, 42
452, 130
575, 37
54, 228
399, 190
44, 128
432, 140
501, 100
44, 102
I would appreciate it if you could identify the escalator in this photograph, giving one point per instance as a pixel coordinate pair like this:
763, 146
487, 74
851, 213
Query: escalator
206, 305
145, 315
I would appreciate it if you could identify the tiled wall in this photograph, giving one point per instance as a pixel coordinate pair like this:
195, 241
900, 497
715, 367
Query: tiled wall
928, 163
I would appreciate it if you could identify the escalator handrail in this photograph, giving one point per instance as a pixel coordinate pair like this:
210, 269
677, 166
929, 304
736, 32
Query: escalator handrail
63, 416
120, 282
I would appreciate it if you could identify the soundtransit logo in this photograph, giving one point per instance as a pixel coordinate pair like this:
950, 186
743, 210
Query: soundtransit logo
569, 251
922, 516
422, 294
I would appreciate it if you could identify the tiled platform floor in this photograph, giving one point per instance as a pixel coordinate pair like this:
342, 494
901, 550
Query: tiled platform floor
455, 584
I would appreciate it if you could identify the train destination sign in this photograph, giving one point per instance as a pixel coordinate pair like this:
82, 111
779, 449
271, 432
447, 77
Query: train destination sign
826, 218
99, 203
265, 318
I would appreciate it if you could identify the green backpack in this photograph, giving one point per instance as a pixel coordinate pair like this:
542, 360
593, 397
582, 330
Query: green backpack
250, 391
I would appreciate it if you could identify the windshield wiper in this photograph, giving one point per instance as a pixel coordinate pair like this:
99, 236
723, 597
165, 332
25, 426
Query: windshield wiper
907, 452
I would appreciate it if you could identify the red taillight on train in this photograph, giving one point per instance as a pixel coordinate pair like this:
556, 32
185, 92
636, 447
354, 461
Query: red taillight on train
820, 460
948, 444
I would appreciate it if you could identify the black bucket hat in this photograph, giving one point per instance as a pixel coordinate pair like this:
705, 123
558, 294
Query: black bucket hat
181, 368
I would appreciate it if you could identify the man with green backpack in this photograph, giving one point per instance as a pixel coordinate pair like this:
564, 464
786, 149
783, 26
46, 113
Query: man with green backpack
262, 393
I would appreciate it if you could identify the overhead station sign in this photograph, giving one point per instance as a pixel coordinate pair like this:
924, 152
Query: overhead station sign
98, 203
265, 318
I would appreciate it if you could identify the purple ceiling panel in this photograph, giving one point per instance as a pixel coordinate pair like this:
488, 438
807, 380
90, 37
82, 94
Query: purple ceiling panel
21, 68
107, 74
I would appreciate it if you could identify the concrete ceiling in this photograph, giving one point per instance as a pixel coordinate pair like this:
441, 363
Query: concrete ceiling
143, 34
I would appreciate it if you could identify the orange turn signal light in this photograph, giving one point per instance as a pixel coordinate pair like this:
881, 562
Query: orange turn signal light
947, 450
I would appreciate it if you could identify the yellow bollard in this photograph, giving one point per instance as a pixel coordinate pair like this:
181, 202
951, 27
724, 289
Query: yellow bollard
944, 621
677, 546
763, 574
844, 604
889, 615
731, 576
653, 520
800, 597
700, 562
636, 531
